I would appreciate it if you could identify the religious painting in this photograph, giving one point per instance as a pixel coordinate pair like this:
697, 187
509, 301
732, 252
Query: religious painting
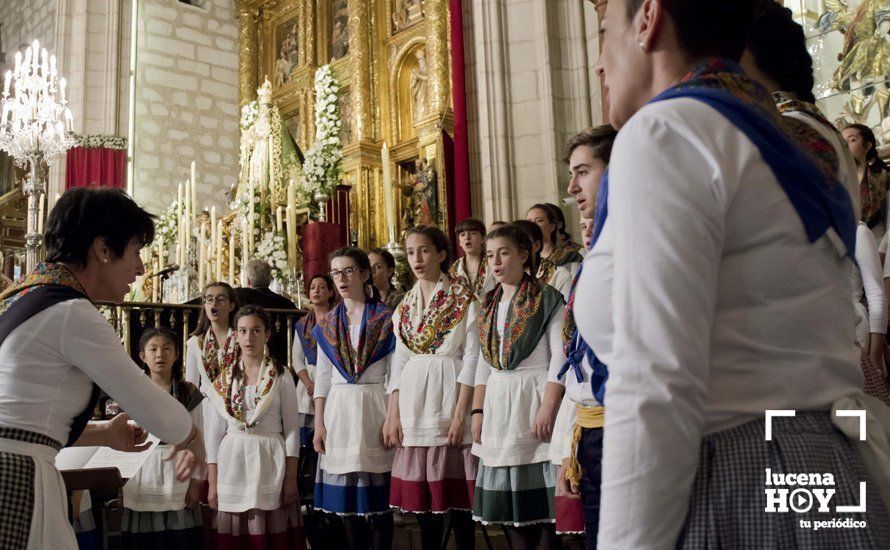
287, 52
340, 29
345, 104
405, 13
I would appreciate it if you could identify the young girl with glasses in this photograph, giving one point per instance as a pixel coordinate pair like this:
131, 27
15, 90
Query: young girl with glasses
355, 346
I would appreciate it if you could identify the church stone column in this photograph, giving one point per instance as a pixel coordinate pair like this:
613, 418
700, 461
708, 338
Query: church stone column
247, 54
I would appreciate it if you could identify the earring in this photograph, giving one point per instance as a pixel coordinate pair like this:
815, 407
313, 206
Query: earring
642, 45
104, 260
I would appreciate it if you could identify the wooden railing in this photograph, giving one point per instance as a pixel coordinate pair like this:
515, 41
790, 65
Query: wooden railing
130, 319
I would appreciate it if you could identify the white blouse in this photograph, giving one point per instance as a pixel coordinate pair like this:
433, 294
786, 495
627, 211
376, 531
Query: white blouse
460, 267
561, 280
721, 309
280, 418
48, 365
327, 375
868, 283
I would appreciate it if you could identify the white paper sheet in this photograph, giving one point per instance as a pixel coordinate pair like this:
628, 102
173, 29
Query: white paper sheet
127, 463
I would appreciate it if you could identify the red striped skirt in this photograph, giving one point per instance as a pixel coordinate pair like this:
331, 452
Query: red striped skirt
433, 479
260, 529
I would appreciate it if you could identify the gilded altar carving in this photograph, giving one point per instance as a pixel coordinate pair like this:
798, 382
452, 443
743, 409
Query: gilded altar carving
392, 60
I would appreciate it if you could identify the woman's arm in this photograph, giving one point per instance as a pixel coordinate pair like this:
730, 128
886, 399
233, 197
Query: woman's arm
290, 416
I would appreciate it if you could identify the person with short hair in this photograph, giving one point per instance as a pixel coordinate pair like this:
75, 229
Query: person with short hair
715, 294
472, 266
57, 350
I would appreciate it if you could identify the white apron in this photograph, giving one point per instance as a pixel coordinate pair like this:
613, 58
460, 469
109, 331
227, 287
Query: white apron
353, 418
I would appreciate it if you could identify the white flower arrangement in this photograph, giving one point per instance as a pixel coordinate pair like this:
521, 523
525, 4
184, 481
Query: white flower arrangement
272, 249
166, 227
323, 165
249, 113
99, 142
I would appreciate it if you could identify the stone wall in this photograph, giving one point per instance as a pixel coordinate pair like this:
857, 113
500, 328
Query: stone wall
186, 100
530, 87
26, 20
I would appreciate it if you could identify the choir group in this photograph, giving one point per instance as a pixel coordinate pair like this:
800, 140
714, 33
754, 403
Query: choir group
712, 285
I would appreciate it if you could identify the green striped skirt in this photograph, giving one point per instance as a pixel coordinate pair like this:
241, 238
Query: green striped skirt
515, 495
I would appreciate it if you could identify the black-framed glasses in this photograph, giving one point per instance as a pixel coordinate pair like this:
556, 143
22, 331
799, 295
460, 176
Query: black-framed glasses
346, 273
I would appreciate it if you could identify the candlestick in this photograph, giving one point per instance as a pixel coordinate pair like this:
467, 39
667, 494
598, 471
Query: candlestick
251, 218
179, 207
212, 247
201, 258
279, 227
219, 250
387, 188
160, 255
292, 194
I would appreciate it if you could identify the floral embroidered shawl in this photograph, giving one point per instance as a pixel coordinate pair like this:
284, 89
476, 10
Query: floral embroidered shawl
424, 330
376, 339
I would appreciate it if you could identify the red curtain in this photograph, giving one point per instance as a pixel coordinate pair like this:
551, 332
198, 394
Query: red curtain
319, 240
460, 181
96, 167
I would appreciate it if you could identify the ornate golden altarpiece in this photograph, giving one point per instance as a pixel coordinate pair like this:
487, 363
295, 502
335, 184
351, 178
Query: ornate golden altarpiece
393, 63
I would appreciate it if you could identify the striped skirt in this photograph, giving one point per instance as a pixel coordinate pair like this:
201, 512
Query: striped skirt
515, 495
433, 479
875, 381
307, 429
181, 528
271, 529
352, 494
727, 503
569, 510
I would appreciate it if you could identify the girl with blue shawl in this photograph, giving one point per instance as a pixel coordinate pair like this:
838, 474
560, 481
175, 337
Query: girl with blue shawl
355, 347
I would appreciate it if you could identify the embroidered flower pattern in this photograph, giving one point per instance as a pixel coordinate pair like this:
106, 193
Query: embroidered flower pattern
445, 310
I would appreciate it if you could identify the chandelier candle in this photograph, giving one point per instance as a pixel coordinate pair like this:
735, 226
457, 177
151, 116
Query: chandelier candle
35, 124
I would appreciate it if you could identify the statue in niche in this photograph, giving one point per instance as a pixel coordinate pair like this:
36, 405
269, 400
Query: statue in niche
288, 55
422, 205
340, 30
420, 86
405, 13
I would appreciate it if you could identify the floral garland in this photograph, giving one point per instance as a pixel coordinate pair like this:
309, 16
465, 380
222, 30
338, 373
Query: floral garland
100, 142
166, 226
272, 248
323, 165
249, 113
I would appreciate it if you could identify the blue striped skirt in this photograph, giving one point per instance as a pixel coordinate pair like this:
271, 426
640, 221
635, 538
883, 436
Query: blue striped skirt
355, 493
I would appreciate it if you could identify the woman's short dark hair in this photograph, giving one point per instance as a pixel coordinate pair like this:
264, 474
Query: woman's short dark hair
263, 315
82, 215
388, 258
437, 237
362, 262
779, 48
533, 233
600, 139
706, 28
203, 321
470, 224
328, 281
517, 234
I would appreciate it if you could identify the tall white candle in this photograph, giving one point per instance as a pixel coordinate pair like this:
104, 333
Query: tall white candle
244, 252
292, 194
231, 279
251, 218
160, 255
219, 250
212, 247
194, 194
41, 208
279, 227
387, 189
202, 260
291, 236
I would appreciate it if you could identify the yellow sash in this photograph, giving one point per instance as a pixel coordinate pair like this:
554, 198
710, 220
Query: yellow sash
588, 417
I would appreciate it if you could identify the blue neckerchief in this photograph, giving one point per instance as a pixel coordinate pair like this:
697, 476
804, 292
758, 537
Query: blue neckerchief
819, 204
310, 348
378, 312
